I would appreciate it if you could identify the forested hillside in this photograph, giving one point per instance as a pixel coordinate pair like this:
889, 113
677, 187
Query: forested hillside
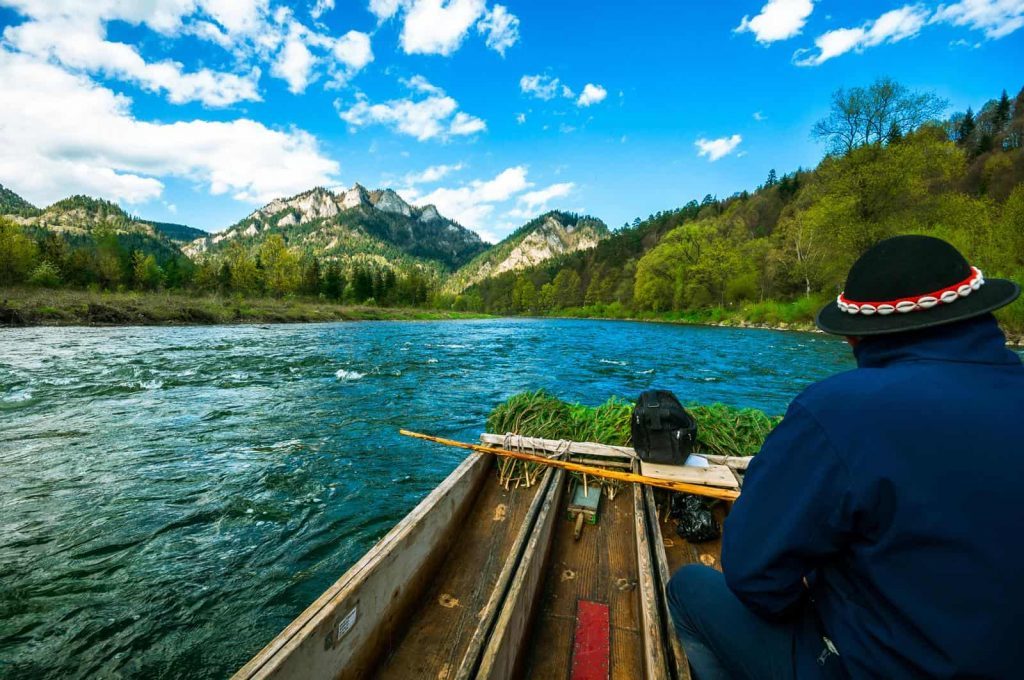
891, 169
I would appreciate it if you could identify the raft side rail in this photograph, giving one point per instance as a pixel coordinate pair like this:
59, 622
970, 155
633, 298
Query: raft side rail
344, 632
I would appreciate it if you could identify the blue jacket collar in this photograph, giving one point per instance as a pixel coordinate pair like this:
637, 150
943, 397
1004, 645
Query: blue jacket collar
977, 340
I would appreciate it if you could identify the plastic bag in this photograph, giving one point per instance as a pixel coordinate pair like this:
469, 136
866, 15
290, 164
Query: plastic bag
694, 520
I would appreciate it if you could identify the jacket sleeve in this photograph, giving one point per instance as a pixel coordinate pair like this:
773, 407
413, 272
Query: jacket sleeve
793, 515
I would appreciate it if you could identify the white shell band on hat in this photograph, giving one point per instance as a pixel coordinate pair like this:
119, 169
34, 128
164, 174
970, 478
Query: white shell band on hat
903, 305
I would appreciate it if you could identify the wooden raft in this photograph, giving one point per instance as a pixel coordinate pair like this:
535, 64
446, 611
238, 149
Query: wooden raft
483, 582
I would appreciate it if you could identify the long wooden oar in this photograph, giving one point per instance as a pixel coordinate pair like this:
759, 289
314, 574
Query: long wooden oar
695, 489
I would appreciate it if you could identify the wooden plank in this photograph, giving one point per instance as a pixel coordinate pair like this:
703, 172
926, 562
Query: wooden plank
552, 445
488, 616
439, 630
503, 653
518, 442
651, 624
713, 475
601, 567
343, 632
678, 664
734, 462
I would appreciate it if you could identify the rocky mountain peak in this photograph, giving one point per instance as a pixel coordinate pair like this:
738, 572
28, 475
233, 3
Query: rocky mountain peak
389, 201
550, 235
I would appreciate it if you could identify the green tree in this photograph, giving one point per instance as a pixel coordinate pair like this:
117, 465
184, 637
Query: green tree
17, 253
146, 273
567, 289
46, 275
240, 270
334, 282
524, 295
281, 273
311, 278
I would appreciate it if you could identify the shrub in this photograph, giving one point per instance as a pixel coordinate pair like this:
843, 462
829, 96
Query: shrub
45, 275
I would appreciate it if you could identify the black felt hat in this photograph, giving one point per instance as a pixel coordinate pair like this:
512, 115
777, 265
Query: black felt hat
909, 282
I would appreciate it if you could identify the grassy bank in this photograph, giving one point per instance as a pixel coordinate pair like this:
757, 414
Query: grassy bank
62, 307
721, 429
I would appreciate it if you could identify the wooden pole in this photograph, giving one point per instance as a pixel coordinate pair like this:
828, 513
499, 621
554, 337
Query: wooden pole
695, 489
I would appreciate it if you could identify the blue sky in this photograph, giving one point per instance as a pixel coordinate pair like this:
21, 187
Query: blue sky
198, 111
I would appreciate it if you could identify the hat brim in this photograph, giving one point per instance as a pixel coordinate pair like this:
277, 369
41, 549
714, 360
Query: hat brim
994, 294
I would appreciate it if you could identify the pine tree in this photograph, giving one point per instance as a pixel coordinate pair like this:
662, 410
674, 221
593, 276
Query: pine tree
965, 129
772, 179
1002, 113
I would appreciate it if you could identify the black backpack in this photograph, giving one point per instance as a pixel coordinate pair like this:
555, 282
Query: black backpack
663, 432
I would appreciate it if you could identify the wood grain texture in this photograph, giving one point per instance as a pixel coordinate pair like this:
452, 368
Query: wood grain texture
343, 632
502, 657
438, 632
651, 624
713, 475
678, 665
600, 567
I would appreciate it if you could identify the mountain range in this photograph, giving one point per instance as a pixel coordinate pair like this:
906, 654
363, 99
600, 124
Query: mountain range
355, 224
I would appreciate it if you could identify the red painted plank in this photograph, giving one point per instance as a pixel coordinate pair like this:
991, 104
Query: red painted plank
591, 647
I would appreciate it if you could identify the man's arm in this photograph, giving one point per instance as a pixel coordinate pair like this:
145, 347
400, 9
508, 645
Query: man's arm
793, 514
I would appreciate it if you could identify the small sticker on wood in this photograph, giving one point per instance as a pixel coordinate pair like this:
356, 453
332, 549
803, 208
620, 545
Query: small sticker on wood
346, 624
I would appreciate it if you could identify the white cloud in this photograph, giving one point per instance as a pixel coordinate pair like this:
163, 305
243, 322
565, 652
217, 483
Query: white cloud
715, 149
758, 116
539, 86
548, 87
421, 84
385, 9
997, 18
778, 20
82, 45
60, 133
465, 124
501, 28
534, 203
353, 50
592, 94
438, 27
474, 203
294, 64
520, 118
74, 33
320, 8
432, 174
891, 27
435, 116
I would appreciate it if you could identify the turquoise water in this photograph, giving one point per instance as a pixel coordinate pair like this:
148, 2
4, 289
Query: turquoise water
170, 498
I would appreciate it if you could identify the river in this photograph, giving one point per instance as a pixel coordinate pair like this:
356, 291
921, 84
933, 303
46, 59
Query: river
170, 498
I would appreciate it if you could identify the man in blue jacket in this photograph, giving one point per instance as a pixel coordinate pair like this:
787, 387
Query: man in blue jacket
879, 529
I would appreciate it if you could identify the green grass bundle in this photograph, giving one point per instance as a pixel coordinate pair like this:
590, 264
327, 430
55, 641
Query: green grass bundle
721, 429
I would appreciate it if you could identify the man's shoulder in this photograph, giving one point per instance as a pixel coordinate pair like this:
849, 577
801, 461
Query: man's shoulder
840, 386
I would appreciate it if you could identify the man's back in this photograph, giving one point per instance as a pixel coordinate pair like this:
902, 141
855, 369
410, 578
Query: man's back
895, 489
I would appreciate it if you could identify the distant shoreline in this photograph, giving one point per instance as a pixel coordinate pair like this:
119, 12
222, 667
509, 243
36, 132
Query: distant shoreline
33, 307
1012, 340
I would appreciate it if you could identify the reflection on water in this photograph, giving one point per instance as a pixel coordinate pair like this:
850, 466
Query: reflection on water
172, 497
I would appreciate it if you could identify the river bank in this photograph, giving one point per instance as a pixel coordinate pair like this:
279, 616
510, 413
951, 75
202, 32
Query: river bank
796, 316
63, 307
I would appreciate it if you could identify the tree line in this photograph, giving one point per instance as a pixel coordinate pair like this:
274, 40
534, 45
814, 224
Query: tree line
112, 260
